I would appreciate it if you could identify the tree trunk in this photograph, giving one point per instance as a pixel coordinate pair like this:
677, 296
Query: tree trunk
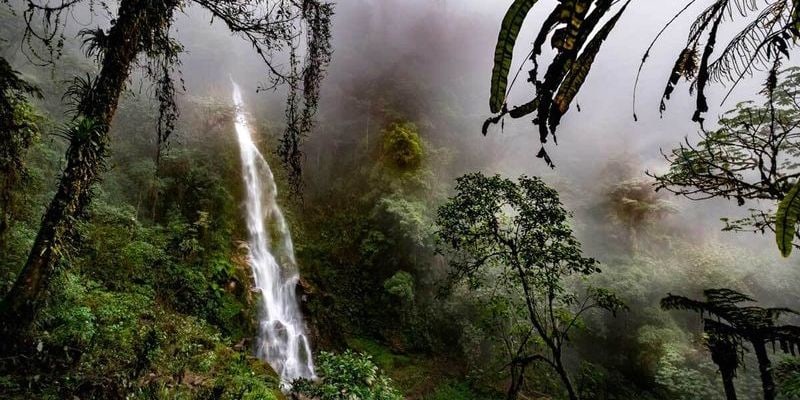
727, 383
559, 367
88, 148
765, 369
517, 379
555, 349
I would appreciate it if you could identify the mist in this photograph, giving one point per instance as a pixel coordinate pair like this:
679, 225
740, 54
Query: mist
172, 260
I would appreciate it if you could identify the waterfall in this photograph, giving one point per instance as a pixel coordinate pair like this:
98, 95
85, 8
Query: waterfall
282, 339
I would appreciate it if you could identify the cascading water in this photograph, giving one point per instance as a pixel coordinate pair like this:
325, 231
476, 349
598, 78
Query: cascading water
282, 339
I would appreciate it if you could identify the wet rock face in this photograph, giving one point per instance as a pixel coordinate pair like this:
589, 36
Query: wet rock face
322, 328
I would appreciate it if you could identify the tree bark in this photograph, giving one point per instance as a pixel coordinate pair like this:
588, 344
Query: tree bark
765, 369
135, 22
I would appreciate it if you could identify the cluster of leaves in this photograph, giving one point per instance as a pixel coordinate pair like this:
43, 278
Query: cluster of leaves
787, 374
577, 35
347, 376
402, 147
401, 285
681, 378
763, 43
97, 343
748, 158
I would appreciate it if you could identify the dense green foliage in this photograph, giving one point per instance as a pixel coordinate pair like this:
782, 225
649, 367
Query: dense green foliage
402, 147
368, 238
18, 131
155, 299
347, 376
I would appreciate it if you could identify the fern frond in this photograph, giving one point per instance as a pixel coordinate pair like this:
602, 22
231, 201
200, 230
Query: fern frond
746, 50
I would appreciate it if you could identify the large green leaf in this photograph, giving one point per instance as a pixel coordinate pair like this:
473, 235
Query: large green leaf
504, 52
786, 220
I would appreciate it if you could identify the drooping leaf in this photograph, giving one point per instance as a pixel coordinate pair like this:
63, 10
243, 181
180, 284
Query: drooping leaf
564, 60
686, 63
685, 67
786, 220
546, 157
547, 26
504, 51
703, 74
795, 22
525, 109
516, 112
573, 13
580, 70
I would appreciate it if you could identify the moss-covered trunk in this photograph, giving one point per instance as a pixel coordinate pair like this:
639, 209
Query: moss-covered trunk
88, 148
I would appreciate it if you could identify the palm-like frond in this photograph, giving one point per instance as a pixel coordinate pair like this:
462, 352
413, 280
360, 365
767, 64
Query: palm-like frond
749, 49
94, 43
725, 305
78, 91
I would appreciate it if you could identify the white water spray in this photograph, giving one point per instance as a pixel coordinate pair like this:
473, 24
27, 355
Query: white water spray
282, 339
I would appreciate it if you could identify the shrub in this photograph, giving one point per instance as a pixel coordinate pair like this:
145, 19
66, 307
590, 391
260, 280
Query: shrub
401, 285
347, 376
